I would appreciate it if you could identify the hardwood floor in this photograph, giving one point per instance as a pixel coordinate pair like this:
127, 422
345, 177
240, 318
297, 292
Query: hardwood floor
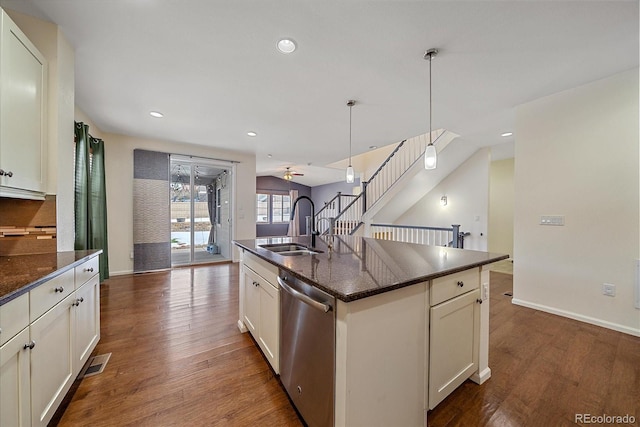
178, 359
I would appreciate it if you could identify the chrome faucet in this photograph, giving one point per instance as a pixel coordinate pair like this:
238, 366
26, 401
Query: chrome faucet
314, 233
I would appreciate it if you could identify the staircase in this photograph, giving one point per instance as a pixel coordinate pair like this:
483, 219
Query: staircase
402, 172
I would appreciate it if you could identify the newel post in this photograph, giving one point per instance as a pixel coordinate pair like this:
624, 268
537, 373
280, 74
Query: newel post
456, 235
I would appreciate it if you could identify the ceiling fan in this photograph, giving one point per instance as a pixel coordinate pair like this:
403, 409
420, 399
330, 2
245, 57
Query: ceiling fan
289, 174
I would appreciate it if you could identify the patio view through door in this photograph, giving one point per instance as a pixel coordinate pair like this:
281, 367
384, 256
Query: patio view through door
200, 198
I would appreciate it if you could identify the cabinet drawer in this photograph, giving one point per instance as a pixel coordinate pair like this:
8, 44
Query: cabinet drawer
267, 271
86, 271
14, 317
447, 287
50, 293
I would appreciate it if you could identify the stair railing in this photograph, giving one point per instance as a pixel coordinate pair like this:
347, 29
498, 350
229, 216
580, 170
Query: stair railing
405, 155
435, 236
331, 210
347, 221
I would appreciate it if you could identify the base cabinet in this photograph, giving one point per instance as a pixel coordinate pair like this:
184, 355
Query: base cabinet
39, 364
454, 344
15, 383
87, 320
262, 314
51, 360
261, 307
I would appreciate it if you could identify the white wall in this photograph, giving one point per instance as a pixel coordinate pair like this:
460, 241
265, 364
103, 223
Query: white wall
467, 191
119, 182
501, 197
577, 155
50, 41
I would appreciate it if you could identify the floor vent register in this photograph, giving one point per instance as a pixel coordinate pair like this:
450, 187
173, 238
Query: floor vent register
96, 365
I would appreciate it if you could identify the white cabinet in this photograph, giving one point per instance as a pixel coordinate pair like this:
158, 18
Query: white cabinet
57, 326
261, 306
23, 72
454, 335
251, 300
52, 370
87, 320
15, 384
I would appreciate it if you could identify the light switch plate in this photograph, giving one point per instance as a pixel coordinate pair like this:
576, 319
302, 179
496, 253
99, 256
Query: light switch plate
552, 220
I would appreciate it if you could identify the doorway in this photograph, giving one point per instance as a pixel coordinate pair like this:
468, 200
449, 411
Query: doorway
200, 205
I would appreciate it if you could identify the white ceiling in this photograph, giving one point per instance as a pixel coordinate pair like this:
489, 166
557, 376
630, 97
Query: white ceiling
212, 68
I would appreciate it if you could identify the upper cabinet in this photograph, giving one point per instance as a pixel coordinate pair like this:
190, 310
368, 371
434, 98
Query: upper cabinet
23, 78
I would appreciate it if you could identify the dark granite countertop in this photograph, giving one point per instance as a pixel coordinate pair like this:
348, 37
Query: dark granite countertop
359, 267
21, 273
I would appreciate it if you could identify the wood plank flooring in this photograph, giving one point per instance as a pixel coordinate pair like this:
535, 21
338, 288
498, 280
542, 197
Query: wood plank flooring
178, 359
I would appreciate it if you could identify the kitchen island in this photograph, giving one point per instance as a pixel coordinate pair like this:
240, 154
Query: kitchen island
411, 321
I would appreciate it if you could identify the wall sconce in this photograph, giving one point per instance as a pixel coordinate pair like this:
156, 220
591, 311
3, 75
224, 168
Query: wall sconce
443, 201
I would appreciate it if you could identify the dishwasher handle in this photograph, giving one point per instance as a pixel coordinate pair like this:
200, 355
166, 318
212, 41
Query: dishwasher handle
304, 298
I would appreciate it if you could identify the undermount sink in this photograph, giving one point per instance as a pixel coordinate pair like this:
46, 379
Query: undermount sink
290, 249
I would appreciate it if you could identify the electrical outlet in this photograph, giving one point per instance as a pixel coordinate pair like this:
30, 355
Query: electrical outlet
485, 291
608, 289
131, 255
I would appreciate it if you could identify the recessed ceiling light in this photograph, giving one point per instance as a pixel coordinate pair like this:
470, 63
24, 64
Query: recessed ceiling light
156, 114
269, 156
252, 133
286, 45
507, 134
373, 147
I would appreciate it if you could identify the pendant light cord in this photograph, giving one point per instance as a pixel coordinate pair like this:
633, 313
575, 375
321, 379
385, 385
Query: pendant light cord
430, 109
350, 107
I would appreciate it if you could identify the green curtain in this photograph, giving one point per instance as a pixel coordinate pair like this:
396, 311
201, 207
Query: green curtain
90, 196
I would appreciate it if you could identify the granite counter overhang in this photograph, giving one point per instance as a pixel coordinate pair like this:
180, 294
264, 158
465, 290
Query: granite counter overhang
360, 267
21, 273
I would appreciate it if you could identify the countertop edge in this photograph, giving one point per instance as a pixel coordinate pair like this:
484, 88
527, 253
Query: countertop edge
364, 294
4, 299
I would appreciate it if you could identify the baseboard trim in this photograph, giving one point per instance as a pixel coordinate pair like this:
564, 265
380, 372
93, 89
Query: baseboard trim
481, 377
120, 273
575, 316
242, 327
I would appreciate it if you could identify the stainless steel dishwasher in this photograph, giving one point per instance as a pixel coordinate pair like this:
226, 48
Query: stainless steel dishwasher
307, 349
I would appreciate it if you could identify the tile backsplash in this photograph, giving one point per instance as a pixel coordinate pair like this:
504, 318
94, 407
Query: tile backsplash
27, 226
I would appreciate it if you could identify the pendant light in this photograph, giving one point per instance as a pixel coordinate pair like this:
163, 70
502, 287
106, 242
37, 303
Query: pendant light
430, 154
351, 175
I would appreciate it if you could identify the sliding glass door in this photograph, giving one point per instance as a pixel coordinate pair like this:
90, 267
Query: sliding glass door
200, 199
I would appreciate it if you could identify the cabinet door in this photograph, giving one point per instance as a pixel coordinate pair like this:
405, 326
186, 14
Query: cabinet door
15, 391
22, 112
51, 360
454, 341
251, 301
270, 323
87, 314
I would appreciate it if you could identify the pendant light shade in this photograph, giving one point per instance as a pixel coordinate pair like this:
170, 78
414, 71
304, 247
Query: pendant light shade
430, 154
430, 157
350, 174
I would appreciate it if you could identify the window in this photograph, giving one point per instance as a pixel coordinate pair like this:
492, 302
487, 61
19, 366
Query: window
273, 208
280, 208
262, 208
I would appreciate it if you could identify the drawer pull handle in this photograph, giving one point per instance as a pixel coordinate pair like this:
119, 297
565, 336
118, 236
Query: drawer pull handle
89, 270
59, 289
479, 301
460, 283
30, 345
256, 284
7, 174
